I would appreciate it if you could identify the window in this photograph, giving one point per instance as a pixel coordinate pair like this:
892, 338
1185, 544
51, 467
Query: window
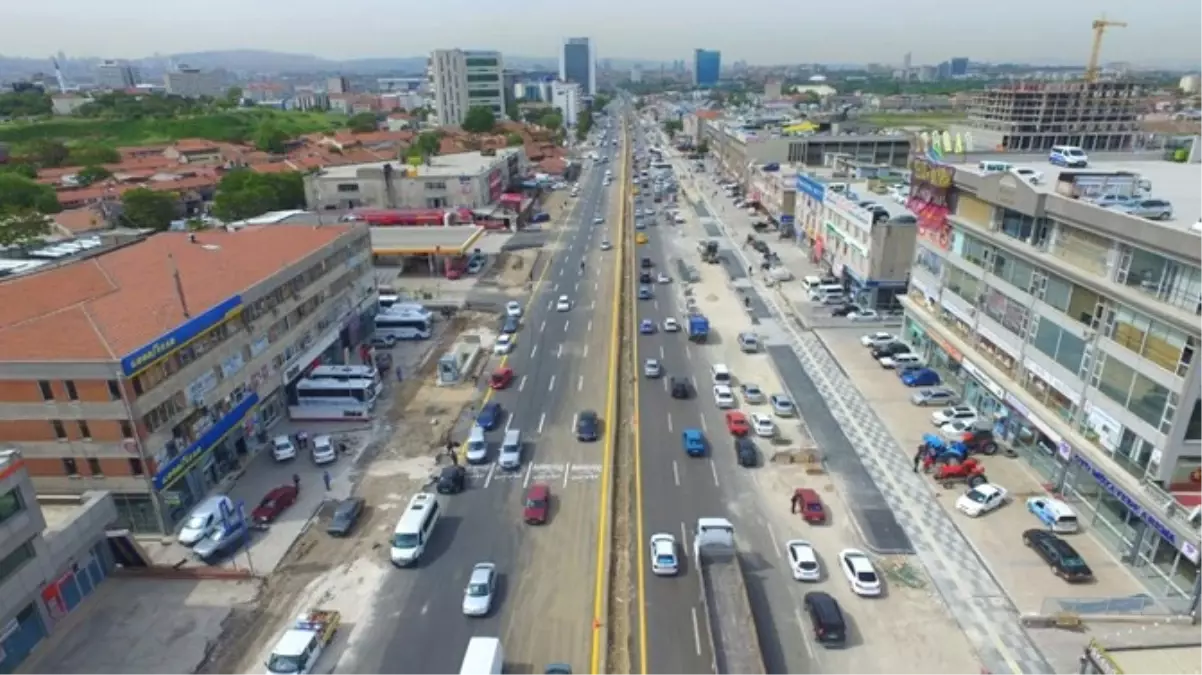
1082, 249
1193, 430
136, 468
1071, 351
84, 431
127, 429
46, 389
1148, 400
114, 390
347, 187
60, 432
963, 284
1182, 287
1130, 328
1020, 226
72, 392
1145, 270
69, 466
436, 185
1164, 346
976, 251
94, 467
484, 77
1115, 380
1058, 293
11, 504
13, 561
480, 62
1083, 305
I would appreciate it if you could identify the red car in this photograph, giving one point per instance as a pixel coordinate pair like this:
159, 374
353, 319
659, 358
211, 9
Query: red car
736, 423
501, 378
538, 501
809, 504
274, 503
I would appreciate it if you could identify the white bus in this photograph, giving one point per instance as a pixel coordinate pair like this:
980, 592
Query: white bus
393, 326
347, 373
334, 400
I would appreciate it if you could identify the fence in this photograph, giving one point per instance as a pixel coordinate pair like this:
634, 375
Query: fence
1134, 605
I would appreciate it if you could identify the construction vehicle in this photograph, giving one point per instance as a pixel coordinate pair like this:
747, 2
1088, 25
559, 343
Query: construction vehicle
970, 472
299, 648
732, 633
709, 251
699, 328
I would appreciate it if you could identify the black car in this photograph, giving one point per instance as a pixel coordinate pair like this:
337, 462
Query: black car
346, 514
587, 426
451, 479
680, 388
746, 452
830, 630
647, 263
645, 278
1059, 555
891, 349
844, 310
510, 324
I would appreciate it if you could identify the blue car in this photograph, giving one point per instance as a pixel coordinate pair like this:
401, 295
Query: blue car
644, 292
694, 442
923, 377
489, 416
647, 327
510, 325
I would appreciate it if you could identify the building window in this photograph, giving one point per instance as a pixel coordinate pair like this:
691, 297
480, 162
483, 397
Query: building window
127, 429
69, 466
480, 62
963, 284
11, 504
929, 261
136, 468
1114, 380
114, 390
976, 252
94, 467
347, 187
1193, 429
1182, 287
84, 431
1017, 225
1058, 293
483, 77
46, 389
1148, 400
72, 392
1082, 249
1143, 270
13, 561
436, 185
60, 431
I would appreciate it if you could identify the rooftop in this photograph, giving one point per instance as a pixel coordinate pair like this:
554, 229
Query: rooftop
446, 166
393, 239
105, 307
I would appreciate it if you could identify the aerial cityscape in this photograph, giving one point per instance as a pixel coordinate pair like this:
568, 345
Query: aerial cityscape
575, 345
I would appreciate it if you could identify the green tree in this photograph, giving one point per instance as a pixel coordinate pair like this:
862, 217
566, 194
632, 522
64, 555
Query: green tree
20, 168
145, 208
32, 103
243, 194
600, 101
479, 120
91, 174
19, 193
47, 153
427, 143
512, 111
270, 138
584, 124
22, 227
513, 139
90, 154
672, 127
551, 120
232, 98
363, 123
533, 115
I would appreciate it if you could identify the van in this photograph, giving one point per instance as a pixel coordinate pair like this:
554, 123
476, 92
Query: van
414, 529
204, 519
1055, 514
823, 291
477, 445
511, 451
830, 630
1068, 155
483, 657
810, 282
994, 167
720, 374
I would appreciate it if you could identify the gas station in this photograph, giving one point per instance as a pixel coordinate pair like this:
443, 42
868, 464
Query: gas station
440, 250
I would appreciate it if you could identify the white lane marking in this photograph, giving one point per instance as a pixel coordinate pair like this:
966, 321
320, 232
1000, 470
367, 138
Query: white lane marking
508, 421
596, 286
665, 381
662, 354
684, 535
567, 472
560, 274
590, 326
592, 305
542, 419
670, 422
655, 304
688, 351
526, 479
488, 478
693, 379
575, 418
805, 636
580, 384
585, 355
522, 383
542, 326
533, 351
551, 384
676, 475
696, 631
550, 303
566, 324
714, 470
559, 351
775, 543
704, 426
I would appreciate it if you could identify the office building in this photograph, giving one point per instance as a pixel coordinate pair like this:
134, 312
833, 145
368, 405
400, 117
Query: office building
636, 74
338, 85
1102, 116
567, 98
156, 370
1075, 328
116, 75
194, 83
707, 64
578, 63
463, 79
958, 67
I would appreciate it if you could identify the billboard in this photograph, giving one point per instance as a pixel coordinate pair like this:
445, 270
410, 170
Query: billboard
143, 357
930, 195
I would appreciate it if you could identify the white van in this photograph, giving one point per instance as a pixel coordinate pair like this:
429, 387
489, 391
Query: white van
484, 656
414, 529
823, 291
994, 167
1068, 155
810, 282
720, 374
477, 446
510, 457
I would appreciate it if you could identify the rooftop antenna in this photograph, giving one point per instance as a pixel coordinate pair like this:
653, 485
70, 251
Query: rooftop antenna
58, 75
179, 286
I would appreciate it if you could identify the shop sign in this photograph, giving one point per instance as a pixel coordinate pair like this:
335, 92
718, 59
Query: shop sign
786, 219
816, 190
993, 387
947, 347
177, 466
1108, 430
1134, 506
931, 186
232, 365
148, 354
1054, 382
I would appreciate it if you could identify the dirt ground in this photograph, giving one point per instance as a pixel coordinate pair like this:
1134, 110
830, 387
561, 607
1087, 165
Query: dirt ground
513, 268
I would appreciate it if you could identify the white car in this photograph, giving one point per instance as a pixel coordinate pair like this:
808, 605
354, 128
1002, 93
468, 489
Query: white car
663, 278
752, 394
723, 396
900, 360
598, 220
763, 425
864, 315
981, 499
563, 304
1030, 175
513, 308
282, 449
481, 586
504, 344
605, 245
663, 555
956, 430
671, 325
652, 368
860, 573
803, 560
323, 450
953, 413
877, 339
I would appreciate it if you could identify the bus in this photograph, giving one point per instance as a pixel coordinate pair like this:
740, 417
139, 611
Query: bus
347, 373
334, 400
393, 326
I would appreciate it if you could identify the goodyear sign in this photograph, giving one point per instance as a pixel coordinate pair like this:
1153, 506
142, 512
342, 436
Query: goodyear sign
141, 358
176, 467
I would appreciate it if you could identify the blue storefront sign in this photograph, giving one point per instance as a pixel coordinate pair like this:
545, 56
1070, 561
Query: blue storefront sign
193, 328
786, 219
815, 189
175, 468
1134, 506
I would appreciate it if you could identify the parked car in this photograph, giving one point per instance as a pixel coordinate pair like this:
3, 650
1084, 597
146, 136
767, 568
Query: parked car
746, 452
1152, 209
782, 406
323, 450
934, 396
953, 413
890, 349
809, 503
860, 573
451, 480
803, 560
736, 423
222, 541
504, 344
844, 309
489, 416
877, 339
920, 377
282, 449
1059, 555
500, 378
346, 516
274, 503
752, 394
981, 499
723, 396
1055, 514
864, 315
513, 308
763, 425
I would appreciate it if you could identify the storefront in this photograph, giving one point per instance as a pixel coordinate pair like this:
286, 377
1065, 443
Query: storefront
808, 211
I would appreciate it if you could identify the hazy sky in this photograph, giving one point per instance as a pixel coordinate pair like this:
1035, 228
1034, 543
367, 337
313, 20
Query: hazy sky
759, 31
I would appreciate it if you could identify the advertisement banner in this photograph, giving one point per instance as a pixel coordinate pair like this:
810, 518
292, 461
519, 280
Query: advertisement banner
815, 189
930, 190
150, 353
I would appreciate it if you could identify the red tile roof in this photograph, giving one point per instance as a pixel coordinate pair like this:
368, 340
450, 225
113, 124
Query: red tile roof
79, 221
195, 145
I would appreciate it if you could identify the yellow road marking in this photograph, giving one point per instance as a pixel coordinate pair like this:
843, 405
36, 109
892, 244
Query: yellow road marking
638, 482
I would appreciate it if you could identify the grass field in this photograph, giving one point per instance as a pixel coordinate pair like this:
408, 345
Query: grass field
925, 120
233, 126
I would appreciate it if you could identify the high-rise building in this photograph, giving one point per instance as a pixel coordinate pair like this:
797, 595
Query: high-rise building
707, 64
193, 82
566, 96
578, 63
959, 66
116, 75
461, 80
636, 73
338, 85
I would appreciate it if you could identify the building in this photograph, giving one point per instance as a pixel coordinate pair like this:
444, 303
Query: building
578, 63
1076, 328
116, 75
156, 369
773, 90
470, 180
1189, 84
707, 64
958, 66
338, 85
67, 104
775, 190
567, 98
461, 80
46, 568
193, 83
1097, 116
636, 74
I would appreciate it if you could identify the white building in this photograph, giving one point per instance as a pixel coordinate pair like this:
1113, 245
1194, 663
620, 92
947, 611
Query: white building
116, 75
193, 83
461, 80
566, 97
1189, 84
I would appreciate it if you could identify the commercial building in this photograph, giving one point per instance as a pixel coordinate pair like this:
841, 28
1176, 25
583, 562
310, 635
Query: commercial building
1032, 117
775, 190
338, 85
707, 65
46, 569
578, 63
567, 97
958, 66
117, 75
461, 80
1076, 328
155, 370
194, 83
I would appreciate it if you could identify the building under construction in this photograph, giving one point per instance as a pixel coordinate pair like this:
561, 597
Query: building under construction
1034, 117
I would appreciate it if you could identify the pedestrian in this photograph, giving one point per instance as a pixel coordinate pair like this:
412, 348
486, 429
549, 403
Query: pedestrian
325, 476
296, 481
398, 374
918, 458
793, 502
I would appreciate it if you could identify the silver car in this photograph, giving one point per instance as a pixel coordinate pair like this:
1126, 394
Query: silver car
481, 586
934, 396
652, 368
752, 394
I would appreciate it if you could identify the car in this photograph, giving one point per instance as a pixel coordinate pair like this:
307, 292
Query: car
809, 505
563, 304
222, 541
671, 325
510, 325
504, 344
323, 450
605, 245
645, 293
644, 277
723, 396
274, 503
864, 315
957, 430
1059, 555
844, 309
663, 278
981, 499
736, 423
803, 560
877, 339
475, 265
680, 388
587, 426
746, 454
749, 343
934, 396
782, 406
920, 377
952, 413
1030, 175
646, 327
1152, 209
640, 238
346, 516
890, 349
664, 562
1107, 201
481, 587
489, 416
640, 225
282, 449
647, 263
451, 480
652, 368
598, 220
900, 360
1055, 514
763, 425
694, 442
752, 394
501, 378
513, 308
537, 504
858, 569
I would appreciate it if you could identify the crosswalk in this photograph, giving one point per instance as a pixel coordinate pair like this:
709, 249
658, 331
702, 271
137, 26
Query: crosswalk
483, 476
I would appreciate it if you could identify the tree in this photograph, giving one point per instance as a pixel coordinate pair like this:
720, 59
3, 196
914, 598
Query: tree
363, 123
19, 193
600, 101
91, 174
22, 227
513, 139
232, 98
89, 154
270, 138
428, 143
512, 111
672, 127
20, 168
243, 194
479, 120
533, 115
47, 153
145, 208
29, 103
551, 120
584, 124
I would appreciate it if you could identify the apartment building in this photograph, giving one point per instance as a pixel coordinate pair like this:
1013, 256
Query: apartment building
1077, 329
155, 370
568, 98
194, 82
461, 80
116, 75
46, 568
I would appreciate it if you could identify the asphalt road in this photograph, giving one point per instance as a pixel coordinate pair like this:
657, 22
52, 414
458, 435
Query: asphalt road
543, 609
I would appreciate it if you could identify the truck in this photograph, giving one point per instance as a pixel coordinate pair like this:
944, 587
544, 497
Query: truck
299, 648
483, 657
699, 328
732, 634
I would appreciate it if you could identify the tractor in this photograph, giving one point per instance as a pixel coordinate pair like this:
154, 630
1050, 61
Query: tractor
937, 451
979, 441
970, 472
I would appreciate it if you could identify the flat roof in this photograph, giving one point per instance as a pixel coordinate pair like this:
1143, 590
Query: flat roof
1151, 660
416, 240
458, 164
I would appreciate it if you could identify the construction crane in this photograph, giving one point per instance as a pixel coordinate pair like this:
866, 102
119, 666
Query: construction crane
1099, 28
